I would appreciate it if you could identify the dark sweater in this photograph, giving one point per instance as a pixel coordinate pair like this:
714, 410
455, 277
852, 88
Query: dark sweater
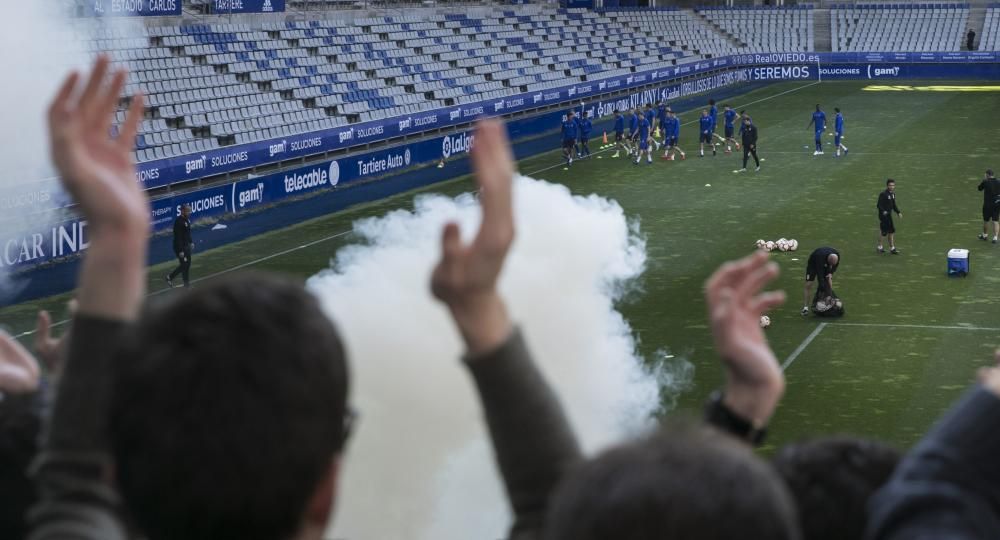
948, 486
182, 234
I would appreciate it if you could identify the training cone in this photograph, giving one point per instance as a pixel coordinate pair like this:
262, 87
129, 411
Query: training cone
605, 137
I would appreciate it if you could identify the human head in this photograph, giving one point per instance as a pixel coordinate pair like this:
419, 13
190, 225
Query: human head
569, 115
729, 107
989, 173
817, 107
746, 120
229, 413
833, 259
890, 185
617, 112
20, 425
186, 210
836, 109
831, 479
583, 114
704, 112
711, 102
685, 481
649, 106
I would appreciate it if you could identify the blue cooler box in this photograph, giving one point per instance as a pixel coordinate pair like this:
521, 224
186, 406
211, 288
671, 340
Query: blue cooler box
958, 262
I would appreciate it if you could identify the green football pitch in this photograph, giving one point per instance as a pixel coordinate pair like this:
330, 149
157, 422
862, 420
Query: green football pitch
912, 337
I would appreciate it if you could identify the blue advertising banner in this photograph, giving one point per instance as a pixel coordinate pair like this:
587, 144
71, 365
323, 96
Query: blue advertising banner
247, 6
131, 8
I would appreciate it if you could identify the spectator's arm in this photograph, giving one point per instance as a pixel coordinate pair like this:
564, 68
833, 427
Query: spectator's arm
948, 486
754, 381
531, 437
73, 469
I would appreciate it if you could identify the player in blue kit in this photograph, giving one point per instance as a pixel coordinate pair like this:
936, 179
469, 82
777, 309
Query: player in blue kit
729, 117
645, 143
705, 133
620, 135
633, 128
713, 112
819, 122
584, 127
569, 131
672, 136
650, 116
661, 119
838, 126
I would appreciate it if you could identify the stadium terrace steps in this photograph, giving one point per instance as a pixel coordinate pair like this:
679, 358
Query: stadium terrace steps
989, 35
823, 41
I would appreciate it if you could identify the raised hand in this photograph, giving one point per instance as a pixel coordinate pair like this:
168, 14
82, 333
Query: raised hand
98, 170
19, 372
466, 277
755, 382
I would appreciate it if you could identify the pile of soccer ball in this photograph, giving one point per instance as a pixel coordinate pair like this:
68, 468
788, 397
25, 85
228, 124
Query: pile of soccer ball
765, 321
780, 244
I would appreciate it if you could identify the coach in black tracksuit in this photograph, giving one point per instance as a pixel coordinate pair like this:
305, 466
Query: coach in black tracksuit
886, 206
749, 132
182, 247
990, 186
823, 262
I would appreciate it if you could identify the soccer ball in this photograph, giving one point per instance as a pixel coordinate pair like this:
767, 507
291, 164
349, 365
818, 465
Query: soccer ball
765, 321
759, 244
793, 244
783, 246
769, 246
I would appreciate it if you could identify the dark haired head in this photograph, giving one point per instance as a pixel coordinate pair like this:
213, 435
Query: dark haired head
889, 181
817, 106
711, 102
989, 172
686, 481
20, 424
836, 109
228, 413
831, 479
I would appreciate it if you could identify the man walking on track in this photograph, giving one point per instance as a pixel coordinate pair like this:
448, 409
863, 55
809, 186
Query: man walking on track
182, 247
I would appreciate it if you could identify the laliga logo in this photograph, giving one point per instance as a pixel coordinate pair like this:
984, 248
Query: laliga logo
406, 157
446, 147
334, 173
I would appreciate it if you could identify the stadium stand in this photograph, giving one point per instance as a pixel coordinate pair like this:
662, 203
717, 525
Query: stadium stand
990, 40
766, 29
213, 85
898, 27
683, 29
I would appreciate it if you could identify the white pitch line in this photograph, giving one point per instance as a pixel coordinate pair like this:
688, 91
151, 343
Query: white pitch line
919, 326
802, 346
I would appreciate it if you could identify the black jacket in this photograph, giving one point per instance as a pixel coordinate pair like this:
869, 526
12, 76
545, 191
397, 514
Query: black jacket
991, 191
182, 234
886, 203
749, 135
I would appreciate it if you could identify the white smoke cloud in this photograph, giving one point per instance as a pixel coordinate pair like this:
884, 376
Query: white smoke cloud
40, 46
421, 466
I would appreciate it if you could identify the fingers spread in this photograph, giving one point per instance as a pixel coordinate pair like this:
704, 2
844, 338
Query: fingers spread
767, 301
107, 103
752, 283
